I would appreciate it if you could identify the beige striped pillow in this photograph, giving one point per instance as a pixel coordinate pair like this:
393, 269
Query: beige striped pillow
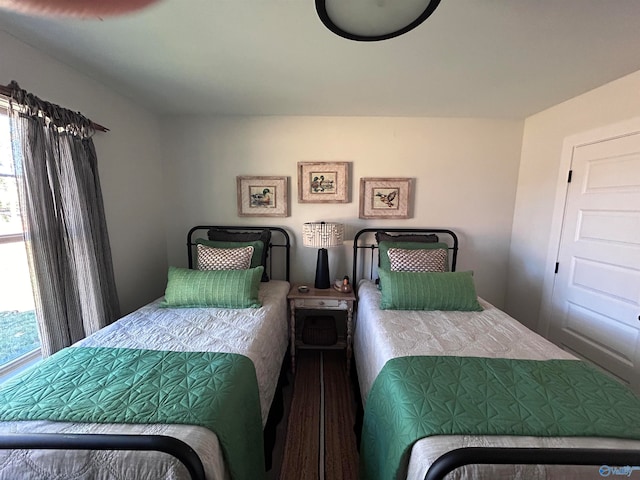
421, 260
211, 258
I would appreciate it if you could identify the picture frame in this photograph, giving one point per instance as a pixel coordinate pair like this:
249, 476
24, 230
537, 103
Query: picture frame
262, 196
386, 197
323, 182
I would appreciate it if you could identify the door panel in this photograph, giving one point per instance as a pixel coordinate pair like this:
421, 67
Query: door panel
596, 294
613, 174
607, 333
613, 226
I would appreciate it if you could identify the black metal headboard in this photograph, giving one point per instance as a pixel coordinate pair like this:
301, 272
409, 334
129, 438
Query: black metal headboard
279, 239
359, 248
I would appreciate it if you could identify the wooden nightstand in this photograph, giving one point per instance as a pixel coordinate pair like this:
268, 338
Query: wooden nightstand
320, 299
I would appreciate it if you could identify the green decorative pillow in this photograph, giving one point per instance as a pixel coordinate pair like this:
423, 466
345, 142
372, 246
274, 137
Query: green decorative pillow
428, 291
213, 288
383, 250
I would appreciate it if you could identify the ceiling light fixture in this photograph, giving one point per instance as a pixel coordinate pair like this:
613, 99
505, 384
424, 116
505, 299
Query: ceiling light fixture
373, 20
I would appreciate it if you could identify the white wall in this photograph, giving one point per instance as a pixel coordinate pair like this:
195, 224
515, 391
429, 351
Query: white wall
128, 159
544, 134
465, 170
466, 174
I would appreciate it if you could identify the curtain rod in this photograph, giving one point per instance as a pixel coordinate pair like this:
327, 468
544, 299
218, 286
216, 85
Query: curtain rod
6, 91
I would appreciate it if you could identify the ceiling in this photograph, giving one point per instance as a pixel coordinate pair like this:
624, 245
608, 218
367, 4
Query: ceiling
471, 58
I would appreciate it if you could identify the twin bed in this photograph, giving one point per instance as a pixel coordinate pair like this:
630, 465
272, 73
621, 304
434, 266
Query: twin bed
143, 397
451, 386
458, 389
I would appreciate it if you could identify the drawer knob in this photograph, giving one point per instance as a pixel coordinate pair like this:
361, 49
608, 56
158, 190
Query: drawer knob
321, 302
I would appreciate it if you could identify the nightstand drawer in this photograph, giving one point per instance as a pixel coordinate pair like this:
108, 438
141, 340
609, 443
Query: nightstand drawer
319, 303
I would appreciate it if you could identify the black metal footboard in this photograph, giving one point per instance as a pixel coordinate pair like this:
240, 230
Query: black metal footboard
611, 462
88, 441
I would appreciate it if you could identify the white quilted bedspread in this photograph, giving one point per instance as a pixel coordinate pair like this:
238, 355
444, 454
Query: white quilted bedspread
384, 334
260, 334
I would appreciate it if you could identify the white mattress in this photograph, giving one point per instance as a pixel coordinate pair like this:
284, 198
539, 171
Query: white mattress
260, 334
381, 335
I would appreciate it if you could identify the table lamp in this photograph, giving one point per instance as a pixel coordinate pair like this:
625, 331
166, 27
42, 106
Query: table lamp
322, 235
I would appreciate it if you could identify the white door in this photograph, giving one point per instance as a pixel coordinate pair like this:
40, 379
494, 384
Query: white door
595, 303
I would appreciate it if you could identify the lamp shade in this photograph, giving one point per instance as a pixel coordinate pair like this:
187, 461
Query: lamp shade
372, 20
322, 235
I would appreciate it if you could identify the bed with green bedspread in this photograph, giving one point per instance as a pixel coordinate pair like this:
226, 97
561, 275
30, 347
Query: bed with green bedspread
203, 376
215, 390
418, 396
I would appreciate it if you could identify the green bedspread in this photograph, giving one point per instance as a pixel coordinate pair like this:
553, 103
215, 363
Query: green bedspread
119, 385
416, 397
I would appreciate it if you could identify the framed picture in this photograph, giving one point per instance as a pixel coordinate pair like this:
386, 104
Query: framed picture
323, 182
262, 196
386, 197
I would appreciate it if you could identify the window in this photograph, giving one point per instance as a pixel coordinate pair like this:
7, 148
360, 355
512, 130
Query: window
19, 342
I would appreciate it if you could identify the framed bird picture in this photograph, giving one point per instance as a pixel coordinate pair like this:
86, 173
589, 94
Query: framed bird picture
262, 196
323, 182
386, 197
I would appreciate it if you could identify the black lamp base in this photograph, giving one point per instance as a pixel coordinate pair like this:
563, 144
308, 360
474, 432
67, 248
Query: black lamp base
322, 270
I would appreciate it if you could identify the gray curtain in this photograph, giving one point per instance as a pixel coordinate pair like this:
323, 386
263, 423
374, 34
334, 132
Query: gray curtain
64, 222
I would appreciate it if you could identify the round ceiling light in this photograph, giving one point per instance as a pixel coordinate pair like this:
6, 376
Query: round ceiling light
373, 20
